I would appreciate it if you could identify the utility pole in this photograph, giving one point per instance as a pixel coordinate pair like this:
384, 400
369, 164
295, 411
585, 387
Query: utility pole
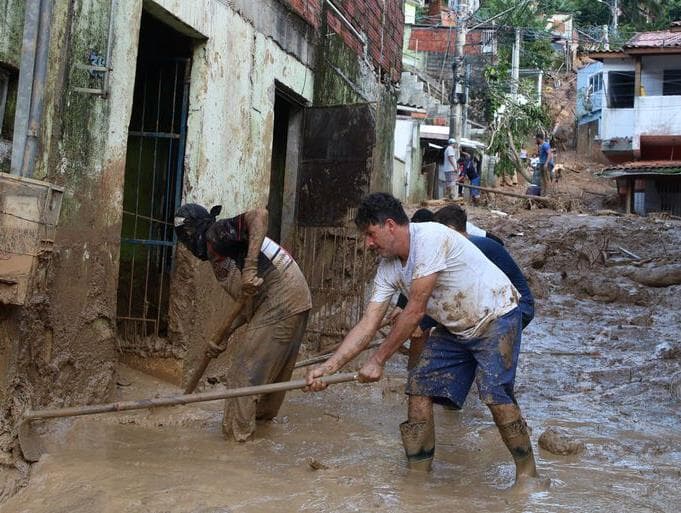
606, 38
615, 9
458, 86
515, 66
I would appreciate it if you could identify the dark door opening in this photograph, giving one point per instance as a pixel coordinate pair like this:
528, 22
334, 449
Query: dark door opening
153, 180
275, 203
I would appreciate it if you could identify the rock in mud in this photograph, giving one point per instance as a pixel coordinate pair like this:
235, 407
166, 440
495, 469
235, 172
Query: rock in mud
660, 276
316, 465
557, 442
667, 351
675, 386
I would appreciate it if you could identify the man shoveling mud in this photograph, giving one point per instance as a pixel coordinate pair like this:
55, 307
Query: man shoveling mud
445, 276
246, 263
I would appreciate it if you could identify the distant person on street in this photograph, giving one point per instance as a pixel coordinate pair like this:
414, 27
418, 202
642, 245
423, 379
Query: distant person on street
451, 168
469, 169
248, 264
446, 277
544, 170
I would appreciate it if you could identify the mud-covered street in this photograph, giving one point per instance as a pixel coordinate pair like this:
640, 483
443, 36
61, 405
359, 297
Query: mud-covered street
599, 370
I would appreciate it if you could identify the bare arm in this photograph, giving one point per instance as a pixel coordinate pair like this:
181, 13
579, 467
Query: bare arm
256, 224
406, 323
353, 344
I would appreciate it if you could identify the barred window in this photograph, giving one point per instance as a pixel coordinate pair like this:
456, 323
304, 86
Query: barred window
621, 89
671, 82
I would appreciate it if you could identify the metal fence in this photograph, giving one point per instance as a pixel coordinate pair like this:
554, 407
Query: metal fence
339, 271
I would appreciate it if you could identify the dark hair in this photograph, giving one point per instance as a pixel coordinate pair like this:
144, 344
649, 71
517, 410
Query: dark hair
377, 208
540, 136
422, 215
452, 215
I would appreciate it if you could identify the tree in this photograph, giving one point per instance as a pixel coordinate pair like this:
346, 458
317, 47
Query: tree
513, 121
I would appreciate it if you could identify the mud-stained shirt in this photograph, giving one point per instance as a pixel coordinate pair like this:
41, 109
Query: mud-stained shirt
470, 291
284, 291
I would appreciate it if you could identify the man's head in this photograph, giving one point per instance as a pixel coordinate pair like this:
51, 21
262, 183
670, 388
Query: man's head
422, 215
453, 216
451, 141
382, 219
539, 138
191, 224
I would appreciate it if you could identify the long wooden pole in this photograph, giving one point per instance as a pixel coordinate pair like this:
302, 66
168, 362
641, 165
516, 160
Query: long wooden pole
76, 411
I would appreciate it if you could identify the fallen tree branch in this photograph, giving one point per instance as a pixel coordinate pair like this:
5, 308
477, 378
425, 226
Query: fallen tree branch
541, 199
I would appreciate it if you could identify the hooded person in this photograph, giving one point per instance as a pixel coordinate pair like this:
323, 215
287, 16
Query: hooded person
248, 264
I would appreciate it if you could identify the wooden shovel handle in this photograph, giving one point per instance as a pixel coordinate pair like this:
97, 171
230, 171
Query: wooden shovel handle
225, 332
184, 399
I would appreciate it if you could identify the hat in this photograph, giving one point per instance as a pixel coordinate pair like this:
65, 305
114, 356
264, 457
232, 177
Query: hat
451, 141
191, 223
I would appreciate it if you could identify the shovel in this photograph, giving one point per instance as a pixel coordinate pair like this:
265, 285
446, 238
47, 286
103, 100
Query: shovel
32, 448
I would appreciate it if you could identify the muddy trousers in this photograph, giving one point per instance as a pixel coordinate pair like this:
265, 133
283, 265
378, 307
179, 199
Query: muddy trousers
264, 355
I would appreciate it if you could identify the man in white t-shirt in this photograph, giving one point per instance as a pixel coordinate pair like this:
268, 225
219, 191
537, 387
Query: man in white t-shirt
446, 277
451, 168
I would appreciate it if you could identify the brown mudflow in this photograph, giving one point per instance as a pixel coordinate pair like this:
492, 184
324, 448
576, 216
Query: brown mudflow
600, 366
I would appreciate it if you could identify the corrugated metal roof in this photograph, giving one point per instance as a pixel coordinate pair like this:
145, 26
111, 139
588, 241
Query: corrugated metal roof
657, 39
643, 167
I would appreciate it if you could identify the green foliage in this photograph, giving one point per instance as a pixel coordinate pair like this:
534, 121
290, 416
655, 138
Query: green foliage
512, 122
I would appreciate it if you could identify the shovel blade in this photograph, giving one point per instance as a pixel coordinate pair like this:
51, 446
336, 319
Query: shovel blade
29, 441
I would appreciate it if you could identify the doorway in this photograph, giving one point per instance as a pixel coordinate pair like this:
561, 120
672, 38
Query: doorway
286, 135
153, 180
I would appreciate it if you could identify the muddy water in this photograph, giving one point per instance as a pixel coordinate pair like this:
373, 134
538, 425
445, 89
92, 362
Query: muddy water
612, 392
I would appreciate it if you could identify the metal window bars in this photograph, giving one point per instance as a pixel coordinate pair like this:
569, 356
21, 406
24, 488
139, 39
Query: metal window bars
153, 188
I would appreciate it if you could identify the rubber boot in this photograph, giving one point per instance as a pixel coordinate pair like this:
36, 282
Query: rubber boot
418, 439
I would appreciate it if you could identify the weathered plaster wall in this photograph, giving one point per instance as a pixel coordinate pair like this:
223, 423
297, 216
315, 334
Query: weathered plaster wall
230, 130
231, 105
11, 31
344, 78
59, 348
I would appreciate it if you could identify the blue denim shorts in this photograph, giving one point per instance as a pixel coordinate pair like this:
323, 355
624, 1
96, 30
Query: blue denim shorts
475, 193
449, 364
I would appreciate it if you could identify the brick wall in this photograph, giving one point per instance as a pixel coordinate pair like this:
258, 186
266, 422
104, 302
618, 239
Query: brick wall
309, 10
443, 39
381, 21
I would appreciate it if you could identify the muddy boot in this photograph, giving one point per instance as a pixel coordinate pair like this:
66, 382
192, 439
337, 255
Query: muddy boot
418, 439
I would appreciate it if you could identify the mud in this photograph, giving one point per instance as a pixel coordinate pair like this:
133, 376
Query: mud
600, 364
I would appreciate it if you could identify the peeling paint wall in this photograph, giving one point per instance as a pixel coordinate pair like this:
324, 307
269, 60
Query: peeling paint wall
229, 140
61, 348
344, 78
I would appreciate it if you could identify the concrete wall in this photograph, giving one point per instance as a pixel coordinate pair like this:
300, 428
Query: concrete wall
409, 185
11, 31
656, 115
61, 348
652, 72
